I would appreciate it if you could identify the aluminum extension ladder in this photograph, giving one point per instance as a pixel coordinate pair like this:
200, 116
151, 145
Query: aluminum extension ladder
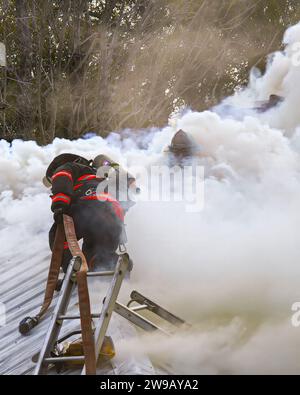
110, 305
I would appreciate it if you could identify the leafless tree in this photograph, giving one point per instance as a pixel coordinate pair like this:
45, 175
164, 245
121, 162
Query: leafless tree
79, 66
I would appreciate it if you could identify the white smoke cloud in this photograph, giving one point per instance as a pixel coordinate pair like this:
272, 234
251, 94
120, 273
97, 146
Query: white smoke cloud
232, 269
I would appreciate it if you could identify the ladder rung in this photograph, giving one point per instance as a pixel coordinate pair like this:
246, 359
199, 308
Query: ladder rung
100, 274
139, 308
137, 319
63, 359
75, 317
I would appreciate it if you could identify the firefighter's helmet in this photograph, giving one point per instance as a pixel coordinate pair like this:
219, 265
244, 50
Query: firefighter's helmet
103, 160
182, 144
61, 160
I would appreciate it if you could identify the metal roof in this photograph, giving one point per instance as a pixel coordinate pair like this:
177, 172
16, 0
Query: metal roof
22, 285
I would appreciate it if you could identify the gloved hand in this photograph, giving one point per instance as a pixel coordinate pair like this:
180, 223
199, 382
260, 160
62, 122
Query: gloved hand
58, 215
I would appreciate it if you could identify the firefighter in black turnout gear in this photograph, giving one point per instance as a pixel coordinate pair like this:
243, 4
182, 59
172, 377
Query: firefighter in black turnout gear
98, 216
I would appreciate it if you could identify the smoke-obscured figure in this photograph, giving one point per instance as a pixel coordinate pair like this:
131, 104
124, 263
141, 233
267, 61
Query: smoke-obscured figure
182, 149
185, 151
272, 102
97, 213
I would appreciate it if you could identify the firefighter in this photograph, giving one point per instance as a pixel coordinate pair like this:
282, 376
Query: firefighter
273, 101
98, 215
182, 148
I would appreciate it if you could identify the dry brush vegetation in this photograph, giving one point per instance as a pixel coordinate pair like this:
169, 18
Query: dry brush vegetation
79, 66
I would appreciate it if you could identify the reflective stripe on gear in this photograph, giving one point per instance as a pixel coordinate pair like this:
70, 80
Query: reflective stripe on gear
61, 197
87, 177
78, 186
62, 174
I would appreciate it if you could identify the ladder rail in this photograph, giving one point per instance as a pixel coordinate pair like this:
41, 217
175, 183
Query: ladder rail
60, 308
109, 303
145, 303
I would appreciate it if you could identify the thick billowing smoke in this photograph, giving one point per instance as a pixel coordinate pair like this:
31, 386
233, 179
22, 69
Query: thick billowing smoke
232, 270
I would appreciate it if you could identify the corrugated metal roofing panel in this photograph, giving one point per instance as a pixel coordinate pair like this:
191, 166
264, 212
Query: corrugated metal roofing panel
22, 286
